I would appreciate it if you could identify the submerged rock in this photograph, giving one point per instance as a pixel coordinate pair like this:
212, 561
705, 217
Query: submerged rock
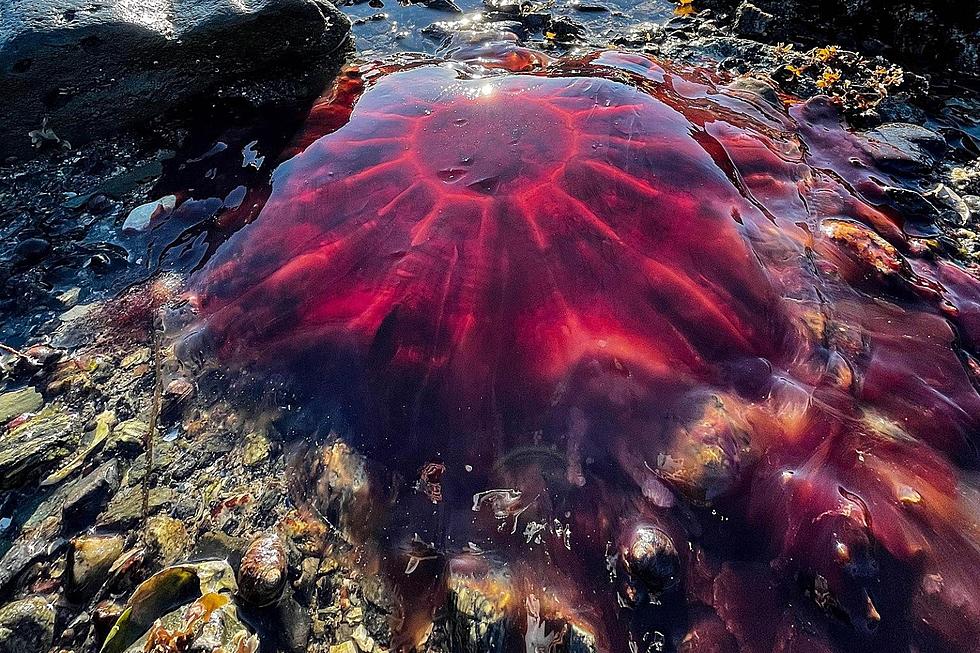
89, 495
27, 626
35, 446
262, 575
89, 560
18, 402
91, 68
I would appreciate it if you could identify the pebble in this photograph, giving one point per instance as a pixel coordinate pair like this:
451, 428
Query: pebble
168, 536
89, 560
262, 575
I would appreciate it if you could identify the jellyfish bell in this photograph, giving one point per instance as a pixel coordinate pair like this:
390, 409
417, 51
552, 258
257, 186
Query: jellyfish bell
602, 306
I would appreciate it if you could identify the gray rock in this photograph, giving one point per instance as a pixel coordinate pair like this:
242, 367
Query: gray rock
125, 509
27, 626
18, 402
943, 35
23, 554
904, 147
90, 495
35, 446
91, 68
751, 21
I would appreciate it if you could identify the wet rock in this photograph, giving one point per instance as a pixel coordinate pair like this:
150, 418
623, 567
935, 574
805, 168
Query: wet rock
140, 217
750, 20
219, 545
104, 616
296, 624
640, 34
27, 626
938, 34
563, 29
18, 402
651, 557
256, 449
35, 446
25, 553
262, 575
89, 495
89, 559
168, 537
31, 250
126, 508
128, 437
904, 147
90, 68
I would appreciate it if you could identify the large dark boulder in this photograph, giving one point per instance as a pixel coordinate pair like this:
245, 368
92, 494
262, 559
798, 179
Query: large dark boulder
939, 35
90, 68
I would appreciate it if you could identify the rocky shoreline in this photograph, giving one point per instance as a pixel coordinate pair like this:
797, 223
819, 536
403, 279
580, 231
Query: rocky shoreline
127, 490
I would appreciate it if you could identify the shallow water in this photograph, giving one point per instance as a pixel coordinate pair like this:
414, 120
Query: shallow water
621, 344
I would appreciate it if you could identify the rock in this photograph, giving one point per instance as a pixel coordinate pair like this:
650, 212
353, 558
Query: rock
31, 250
25, 553
128, 437
35, 446
140, 217
18, 402
104, 616
904, 147
296, 624
126, 508
262, 575
27, 626
651, 558
89, 495
89, 559
938, 34
91, 68
255, 449
168, 537
219, 545
751, 21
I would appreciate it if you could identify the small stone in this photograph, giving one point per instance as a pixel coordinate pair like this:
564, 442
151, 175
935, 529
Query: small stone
90, 494
363, 640
140, 217
296, 622
89, 559
18, 402
27, 626
125, 510
347, 647
262, 575
104, 617
128, 437
751, 21
255, 450
76, 312
31, 250
168, 536
905, 147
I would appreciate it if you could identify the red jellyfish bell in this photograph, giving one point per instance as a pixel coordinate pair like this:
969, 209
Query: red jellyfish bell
647, 323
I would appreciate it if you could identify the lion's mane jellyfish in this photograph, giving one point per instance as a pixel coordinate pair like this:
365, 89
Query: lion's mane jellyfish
641, 355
